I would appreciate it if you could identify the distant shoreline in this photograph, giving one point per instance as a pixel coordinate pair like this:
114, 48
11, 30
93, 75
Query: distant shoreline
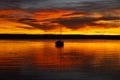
25, 36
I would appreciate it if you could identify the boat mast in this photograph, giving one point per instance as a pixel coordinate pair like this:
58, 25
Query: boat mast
60, 28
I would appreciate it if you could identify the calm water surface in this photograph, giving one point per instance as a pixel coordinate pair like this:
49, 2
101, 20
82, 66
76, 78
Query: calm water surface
77, 60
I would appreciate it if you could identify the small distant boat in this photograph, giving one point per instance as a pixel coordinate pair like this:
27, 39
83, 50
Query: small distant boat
59, 43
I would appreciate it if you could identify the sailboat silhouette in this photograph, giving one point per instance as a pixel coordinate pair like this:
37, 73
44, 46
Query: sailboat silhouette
59, 43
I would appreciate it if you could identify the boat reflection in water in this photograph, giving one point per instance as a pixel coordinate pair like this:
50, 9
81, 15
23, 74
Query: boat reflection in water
42, 60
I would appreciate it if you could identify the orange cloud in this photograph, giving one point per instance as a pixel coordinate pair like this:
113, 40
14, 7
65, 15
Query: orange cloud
50, 14
48, 22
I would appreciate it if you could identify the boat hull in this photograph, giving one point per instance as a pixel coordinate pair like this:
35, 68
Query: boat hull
59, 43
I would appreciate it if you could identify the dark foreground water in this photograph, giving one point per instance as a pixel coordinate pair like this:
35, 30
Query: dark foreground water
77, 60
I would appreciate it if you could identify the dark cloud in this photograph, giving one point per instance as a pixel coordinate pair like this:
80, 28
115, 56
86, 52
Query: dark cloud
100, 5
85, 5
81, 22
109, 18
34, 24
28, 20
76, 13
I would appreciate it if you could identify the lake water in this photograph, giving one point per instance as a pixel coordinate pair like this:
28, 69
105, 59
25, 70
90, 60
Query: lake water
77, 60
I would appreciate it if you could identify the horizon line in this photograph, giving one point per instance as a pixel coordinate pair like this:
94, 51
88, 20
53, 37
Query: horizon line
69, 34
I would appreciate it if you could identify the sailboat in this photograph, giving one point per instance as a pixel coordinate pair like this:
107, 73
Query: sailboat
59, 43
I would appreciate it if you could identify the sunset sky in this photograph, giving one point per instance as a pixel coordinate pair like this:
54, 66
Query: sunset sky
89, 17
